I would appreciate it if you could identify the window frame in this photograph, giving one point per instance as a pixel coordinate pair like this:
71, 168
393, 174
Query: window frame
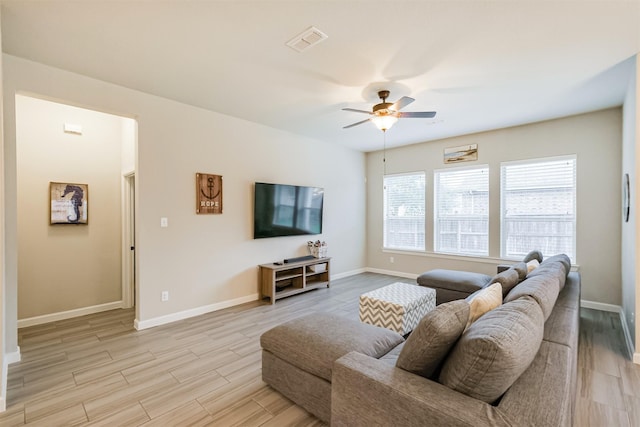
503, 194
385, 243
436, 217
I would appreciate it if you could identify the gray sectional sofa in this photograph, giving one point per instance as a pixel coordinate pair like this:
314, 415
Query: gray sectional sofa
514, 366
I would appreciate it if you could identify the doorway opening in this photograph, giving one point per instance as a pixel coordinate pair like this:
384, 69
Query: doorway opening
73, 268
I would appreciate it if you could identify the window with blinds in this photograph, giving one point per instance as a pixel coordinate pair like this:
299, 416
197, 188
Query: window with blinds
404, 208
538, 204
461, 211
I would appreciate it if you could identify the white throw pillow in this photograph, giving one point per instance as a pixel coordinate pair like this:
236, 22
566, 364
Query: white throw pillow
483, 301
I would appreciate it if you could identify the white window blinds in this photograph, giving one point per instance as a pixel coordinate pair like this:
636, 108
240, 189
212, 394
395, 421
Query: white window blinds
461, 211
404, 208
538, 207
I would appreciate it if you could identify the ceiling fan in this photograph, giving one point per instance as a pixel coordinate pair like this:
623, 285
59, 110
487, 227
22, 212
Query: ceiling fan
386, 114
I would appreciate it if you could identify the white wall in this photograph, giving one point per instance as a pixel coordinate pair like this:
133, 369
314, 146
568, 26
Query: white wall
67, 267
630, 237
595, 138
204, 261
128, 148
4, 325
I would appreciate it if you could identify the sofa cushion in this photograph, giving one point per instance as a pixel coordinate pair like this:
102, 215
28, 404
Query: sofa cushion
551, 269
543, 288
495, 350
313, 342
432, 339
508, 279
544, 395
521, 268
563, 327
461, 281
562, 259
483, 301
391, 358
535, 254
569, 296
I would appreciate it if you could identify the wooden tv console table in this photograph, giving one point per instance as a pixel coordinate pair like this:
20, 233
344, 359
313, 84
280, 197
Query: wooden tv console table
283, 280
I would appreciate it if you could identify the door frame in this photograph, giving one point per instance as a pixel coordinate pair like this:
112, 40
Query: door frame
128, 240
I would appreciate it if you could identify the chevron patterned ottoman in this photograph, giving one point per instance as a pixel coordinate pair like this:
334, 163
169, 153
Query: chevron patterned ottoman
398, 306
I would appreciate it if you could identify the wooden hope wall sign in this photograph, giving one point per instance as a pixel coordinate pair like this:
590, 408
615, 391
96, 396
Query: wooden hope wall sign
208, 193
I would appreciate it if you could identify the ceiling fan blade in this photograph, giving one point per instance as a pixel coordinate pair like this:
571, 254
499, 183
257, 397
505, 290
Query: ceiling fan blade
357, 111
401, 103
356, 124
419, 114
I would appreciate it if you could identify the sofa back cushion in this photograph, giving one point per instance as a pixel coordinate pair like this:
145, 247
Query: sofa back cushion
431, 340
535, 254
551, 269
544, 288
495, 350
562, 259
508, 279
521, 268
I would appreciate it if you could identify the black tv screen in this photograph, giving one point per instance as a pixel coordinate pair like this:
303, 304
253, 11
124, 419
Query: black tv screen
286, 210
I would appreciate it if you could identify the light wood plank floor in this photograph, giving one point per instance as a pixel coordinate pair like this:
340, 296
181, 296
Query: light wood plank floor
98, 370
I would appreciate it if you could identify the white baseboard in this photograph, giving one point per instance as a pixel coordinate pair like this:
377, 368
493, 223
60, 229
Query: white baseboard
623, 320
600, 306
63, 315
392, 273
347, 274
3, 386
13, 357
8, 359
627, 335
163, 320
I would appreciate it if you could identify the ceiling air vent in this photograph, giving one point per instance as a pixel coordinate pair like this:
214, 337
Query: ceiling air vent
306, 39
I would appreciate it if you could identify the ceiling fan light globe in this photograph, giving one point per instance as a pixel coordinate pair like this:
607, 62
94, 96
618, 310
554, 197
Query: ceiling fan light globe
384, 123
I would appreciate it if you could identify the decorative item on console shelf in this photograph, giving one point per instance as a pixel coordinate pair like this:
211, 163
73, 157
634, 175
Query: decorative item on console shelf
318, 249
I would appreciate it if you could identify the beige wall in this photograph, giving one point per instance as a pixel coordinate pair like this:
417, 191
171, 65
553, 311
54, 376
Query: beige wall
67, 267
207, 260
128, 151
203, 261
595, 138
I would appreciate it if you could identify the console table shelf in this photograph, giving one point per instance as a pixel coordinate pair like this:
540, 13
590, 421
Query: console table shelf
283, 280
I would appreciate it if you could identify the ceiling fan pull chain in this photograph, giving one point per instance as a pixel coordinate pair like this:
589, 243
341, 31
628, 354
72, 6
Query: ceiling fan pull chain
384, 153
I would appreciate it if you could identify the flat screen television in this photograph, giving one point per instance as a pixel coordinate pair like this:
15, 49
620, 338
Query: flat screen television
286, 210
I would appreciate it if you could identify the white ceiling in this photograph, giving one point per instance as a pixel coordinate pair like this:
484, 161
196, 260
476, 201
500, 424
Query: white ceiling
480, 64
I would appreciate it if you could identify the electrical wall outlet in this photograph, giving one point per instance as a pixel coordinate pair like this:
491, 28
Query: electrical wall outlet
392, 260
165, 295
